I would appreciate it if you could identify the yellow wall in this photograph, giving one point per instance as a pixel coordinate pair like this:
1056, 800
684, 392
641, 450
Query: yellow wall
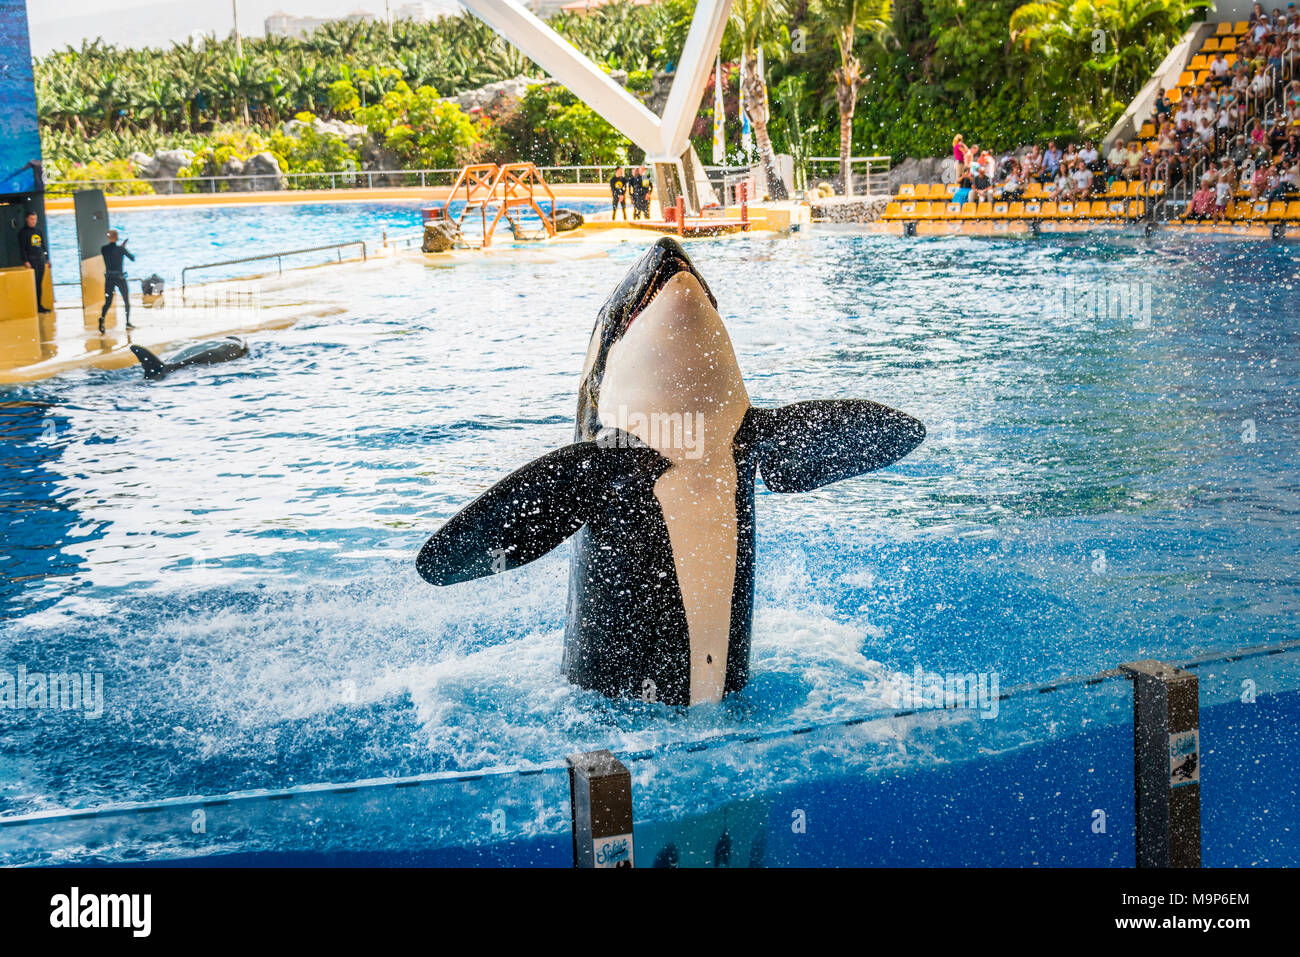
18, 292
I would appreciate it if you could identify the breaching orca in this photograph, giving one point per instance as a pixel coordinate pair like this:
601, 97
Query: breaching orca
195, 354
658, 487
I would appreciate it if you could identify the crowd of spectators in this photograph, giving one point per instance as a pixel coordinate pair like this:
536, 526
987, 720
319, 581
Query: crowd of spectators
1241, 126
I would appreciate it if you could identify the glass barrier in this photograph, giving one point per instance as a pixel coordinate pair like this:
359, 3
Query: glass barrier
1036, 776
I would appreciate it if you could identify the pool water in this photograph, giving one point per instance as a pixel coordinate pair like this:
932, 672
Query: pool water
166, 240
234, 548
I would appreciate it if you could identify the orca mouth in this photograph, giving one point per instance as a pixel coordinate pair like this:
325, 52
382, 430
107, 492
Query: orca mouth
643, 283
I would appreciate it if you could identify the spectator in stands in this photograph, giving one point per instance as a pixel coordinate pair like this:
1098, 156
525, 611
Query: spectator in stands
1261, 181
1091, 158
1262, 83
964, 185
1222, 196
1013, 188
1164, 107
959, 152
1051, 162
1202, 206
1063, 187
1082, 180
1115, 159
1032, 164
1289, 185
1133, 161
1219, 69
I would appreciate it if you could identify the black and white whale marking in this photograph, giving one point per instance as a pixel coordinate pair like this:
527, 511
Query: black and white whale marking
196, 354
658, 491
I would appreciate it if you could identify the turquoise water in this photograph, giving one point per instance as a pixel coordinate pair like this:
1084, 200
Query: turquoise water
234, 548
165, 241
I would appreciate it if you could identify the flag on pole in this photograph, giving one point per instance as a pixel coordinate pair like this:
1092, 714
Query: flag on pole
746, 135
719, 117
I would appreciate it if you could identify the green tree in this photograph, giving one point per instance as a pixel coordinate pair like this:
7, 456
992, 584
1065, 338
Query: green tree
757, 22
845, 19
424, 131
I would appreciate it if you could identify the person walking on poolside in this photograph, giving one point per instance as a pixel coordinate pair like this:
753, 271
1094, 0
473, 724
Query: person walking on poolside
618, 193
32, 245
115, 276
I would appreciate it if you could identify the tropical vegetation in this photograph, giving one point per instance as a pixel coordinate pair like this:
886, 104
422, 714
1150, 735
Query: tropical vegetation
846, 77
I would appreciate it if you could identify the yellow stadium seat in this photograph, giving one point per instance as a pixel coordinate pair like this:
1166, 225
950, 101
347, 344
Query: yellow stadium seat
924, 211
907, 191
967, 210
1034, 191
1199, 62
1186, 78
1241, 27
1210, 46
950, 211
949, 189
1063, 210
1155, 187
1223, 29
1100, 209
1174, 95
1137, 209
1017, 210
1202, 77
1047, 210
1001, 210
1148, 130
984, 211
1118, 207
1230, 59
1276, 210
907, 210
1032, 210
1259, 210
922, 190
1228, 44
1293, 210
892, 210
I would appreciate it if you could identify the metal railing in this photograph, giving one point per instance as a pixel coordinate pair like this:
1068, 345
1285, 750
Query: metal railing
279, 257
334, 180
871, 167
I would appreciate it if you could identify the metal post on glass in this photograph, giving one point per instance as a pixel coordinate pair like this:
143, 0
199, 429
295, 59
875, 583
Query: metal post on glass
1166, 764
600, 790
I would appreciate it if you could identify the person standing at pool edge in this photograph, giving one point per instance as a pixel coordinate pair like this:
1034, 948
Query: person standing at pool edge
32, 245
115, 276
618, 193
642, 186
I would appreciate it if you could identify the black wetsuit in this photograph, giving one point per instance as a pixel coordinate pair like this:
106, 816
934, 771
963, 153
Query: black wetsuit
32, 245
618, 194
115, 278
641, 187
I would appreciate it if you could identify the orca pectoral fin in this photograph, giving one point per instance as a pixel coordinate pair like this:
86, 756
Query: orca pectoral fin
522, 517
810, 444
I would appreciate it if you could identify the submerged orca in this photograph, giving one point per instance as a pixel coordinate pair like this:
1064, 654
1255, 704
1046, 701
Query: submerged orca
195, 354
658, 487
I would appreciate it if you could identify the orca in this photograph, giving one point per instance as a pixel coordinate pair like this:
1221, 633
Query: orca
196, 354
657, 491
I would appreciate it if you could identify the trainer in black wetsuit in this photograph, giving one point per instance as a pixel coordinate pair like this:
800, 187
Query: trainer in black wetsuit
618, 192
641, 187
115, 276
32, 245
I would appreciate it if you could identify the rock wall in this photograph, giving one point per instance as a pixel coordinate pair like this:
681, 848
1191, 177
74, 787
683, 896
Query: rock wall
848, 209
162, 168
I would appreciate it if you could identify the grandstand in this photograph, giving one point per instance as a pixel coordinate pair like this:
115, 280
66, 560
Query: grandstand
1250, 66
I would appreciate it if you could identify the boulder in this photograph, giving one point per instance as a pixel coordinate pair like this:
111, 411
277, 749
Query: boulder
266, 174
494, 96
351, 133
440, 237
162, 169
384, 162
566, 220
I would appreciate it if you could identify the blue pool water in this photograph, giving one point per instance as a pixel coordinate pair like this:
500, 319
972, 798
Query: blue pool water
234, 548
165, 241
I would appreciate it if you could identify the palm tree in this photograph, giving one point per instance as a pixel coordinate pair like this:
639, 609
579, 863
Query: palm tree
756, 21
845, 18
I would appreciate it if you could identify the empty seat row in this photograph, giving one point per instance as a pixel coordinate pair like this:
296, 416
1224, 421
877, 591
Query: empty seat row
1097, 209
1261, 210
1227, 28
1120, 189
